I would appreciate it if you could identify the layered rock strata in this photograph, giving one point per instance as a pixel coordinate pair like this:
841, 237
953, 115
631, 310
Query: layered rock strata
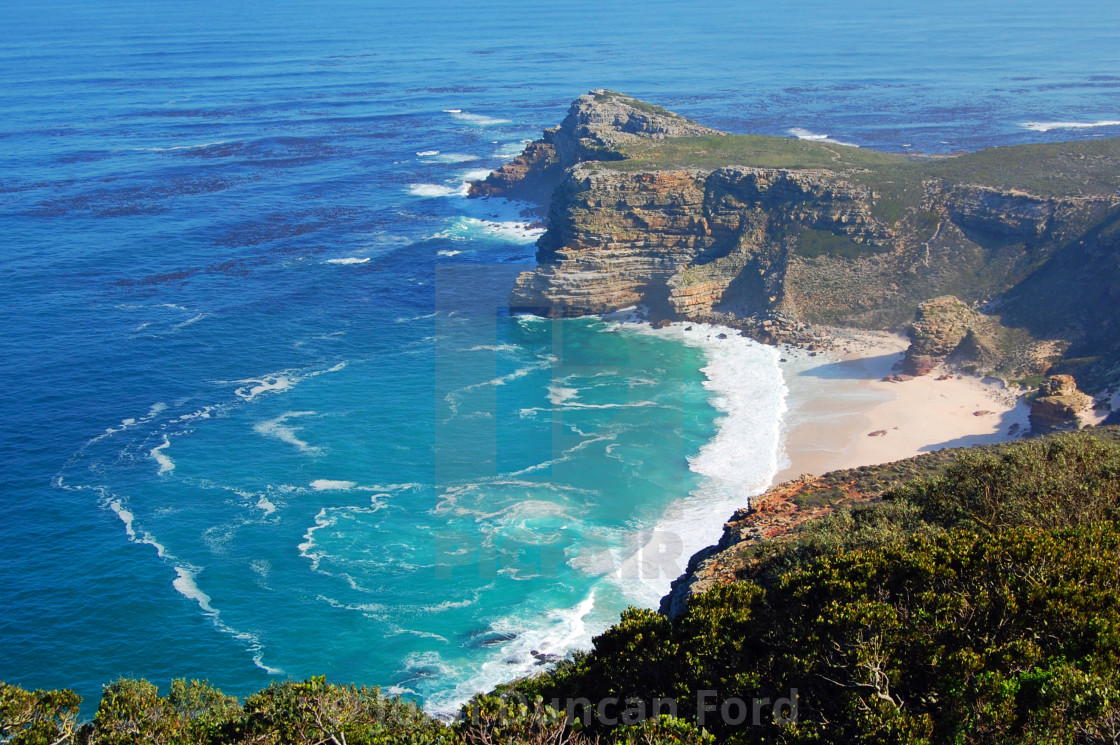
947, 330
1058, 406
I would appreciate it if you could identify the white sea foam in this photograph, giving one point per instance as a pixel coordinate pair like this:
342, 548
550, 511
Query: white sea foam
332, 485
438, 190
409, 319
305, 549
534, 638
277, 382
126, 517
479, 120
512, 231
269, 384
454, 398
203, 413
448, 253
511, 149
1047, 126
179, 147
558, 394
748, 391
451, 158
512, 348
803, 134
166, 465
185, 584
348, 260
427, 153
190, 321
476, 174
328, 517
134, 535
279, 430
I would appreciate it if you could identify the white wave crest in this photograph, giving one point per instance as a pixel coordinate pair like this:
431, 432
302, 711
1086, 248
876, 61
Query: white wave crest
747, 389
438, 190
513, 231
438, 157
479, 120
803, 134
1047, 126
332, 485
533, 639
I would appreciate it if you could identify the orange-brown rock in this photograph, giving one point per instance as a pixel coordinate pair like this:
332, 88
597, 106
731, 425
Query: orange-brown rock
1058, 405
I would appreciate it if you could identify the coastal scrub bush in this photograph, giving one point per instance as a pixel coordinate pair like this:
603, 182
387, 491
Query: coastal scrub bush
954, 637
1064, 481
37, 717
315, 711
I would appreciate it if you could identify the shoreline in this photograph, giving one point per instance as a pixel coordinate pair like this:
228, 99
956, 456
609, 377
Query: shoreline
845, 414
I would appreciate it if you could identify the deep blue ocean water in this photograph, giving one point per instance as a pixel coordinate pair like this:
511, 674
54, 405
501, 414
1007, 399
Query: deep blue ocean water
264, 412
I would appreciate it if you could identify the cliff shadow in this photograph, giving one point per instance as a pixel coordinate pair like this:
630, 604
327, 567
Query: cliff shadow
1007, 431
863, 368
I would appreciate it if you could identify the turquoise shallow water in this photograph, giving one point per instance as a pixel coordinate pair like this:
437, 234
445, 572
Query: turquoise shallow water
265, 412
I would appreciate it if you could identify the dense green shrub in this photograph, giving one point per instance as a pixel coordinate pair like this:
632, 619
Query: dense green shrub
1063, 481
955, 638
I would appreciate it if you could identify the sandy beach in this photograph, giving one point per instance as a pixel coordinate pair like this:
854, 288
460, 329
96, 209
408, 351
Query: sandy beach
844, 414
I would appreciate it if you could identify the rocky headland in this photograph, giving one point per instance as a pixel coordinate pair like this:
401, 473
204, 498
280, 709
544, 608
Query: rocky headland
1003, 261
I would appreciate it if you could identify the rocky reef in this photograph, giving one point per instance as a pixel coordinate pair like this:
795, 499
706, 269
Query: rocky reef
648, 208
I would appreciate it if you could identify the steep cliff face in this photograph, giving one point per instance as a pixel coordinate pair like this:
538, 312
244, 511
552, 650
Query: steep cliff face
686, 243
648, 208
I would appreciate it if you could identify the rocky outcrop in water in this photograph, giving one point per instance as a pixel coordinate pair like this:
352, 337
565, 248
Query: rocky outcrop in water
1058, 406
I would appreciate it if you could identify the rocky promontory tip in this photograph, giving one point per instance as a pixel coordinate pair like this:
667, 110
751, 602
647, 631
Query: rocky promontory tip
598, 124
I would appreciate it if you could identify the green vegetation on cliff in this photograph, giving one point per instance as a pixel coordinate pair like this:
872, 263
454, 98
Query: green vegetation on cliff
979, 603
758, 151
1047, 170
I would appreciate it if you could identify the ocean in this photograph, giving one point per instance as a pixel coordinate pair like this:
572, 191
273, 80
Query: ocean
265, 413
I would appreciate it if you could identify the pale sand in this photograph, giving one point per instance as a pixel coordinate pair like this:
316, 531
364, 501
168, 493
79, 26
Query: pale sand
839, 398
